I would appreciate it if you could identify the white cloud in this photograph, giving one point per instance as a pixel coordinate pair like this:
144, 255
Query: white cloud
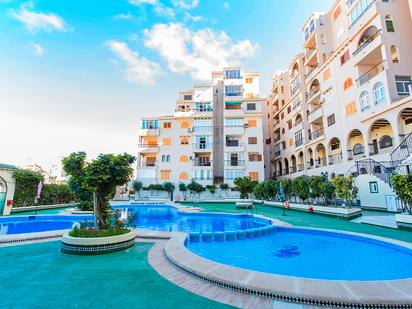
139, 2
196, 52
36, 21
137, 69
226, 5
186, 4
194, 18
37, 49
125, 16
163, 10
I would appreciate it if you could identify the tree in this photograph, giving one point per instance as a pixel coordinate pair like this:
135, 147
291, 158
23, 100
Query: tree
26, 186
183, 188
137, 186
155, 187
346, 189
211, 188
328, 191
195, 187
316, 187
259, 191
402, 185
169, 188
224, 187
301, 187
245, 186
74, 166
101, 176
56, 194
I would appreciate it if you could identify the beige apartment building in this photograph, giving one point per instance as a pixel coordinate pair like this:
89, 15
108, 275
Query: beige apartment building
343, 106
214, 136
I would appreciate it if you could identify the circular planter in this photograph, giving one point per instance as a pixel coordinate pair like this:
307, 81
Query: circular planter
97, 245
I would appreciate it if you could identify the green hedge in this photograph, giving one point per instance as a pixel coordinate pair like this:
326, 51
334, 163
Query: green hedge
56, 194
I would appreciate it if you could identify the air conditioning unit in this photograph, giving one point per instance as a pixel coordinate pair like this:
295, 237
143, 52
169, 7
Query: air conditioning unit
246, 125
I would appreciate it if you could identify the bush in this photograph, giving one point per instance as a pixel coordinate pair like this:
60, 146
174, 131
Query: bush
211, 188
195, 187
402, 185
137, 186
245, 186
56, 194
346, 189
26, 187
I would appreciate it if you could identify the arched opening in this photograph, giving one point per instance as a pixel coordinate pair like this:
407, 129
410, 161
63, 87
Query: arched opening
324, 58
293, 164
405, 122
390, 26
380, 139
364, 101
295, 70
335, 151
311, 162
3, 194
356, 147
279, 168
298, 120
183, 176
314, 89
301, 162
368, 35
394, 54
320, 156
286, 169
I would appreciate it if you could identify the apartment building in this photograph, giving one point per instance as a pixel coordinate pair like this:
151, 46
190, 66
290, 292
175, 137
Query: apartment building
344, 103
214, 136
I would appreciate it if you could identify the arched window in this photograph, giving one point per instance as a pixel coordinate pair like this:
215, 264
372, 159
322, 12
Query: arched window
184, 158
385, 142
394, 54
389, 24
163, 158
185, 125
168, 158
379, 93
183, 176
357, 149
364, 101
324, 58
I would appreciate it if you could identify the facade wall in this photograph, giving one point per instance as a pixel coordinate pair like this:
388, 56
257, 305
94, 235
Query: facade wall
183, 147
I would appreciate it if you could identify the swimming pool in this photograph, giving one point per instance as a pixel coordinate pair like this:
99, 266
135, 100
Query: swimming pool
315, 254
151, 217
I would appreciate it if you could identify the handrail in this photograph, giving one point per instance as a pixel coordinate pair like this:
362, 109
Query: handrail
369, 166
316, 134
361, 79
401, 152
366, 43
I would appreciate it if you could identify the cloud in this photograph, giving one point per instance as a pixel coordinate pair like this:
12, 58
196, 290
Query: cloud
186, 4
38, 21
124, 16
196, 52
139, 2
226, 5
37, 49
193, 18
137, 69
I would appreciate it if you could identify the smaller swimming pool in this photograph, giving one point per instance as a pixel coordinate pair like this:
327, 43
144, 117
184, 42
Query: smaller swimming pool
312, 254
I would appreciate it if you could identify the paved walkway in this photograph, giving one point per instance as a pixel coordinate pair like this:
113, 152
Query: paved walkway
387, 221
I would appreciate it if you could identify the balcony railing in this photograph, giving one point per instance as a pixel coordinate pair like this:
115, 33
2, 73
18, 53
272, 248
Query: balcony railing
317, 134
301, 167
299, 142
309, 54
202, 163
293, 169
336, 158
313, 94
233, 163
151, 147
295, 88
356, 154
202, 146
277, 153
307, 75
320, 162
371, 73
367, 42
363, 13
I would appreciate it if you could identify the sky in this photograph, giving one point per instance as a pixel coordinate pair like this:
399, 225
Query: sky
77, 75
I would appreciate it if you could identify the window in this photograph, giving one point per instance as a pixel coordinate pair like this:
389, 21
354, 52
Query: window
149, 124
232, 74
289, 109
254, 157
379, 93
282, 115
233, 174
184, 140
402, 84
233, 122
347, 84
249, 80
233, 91
331, 120
254, 175
359, 9
389, 24
373, 187
251, 106
202, 125
165, 174
251, 123
184, 159
167, 125
357, 149
364, 101
202, 142
233, 105
326, 74
185, 125
252, 140
165, 158
336, 13
344, 58
183, 176
385, 142
187, 97
202, 174
351, 109
167, 141
290, 124
203, 106
394, 54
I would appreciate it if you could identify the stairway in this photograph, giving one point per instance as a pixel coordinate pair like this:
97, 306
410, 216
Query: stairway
381, 170
401, 157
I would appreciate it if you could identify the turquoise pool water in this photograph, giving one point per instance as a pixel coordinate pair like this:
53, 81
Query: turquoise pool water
312, 254
159, 218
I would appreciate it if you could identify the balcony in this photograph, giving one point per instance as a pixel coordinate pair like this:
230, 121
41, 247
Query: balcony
310, 72
358, 154
202, 147
149, 132
295, 89
144, 164
299, 142
374, 71
335, 159
234, 147
317, 134
367, 43
235, 163
298, 126
313, 96
202, 163
310, 57
148, 148
234, 129
320, 162
315, 114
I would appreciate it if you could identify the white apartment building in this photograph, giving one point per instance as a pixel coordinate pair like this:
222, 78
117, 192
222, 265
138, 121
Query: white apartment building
214, 136
344, 104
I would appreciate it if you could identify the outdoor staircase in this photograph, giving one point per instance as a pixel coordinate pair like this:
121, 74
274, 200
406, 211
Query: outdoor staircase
401, 157
381, 170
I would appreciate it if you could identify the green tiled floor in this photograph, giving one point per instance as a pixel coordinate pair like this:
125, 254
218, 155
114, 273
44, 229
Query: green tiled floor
299, 218
40, 276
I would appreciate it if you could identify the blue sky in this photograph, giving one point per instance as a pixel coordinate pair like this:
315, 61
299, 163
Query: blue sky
76, 75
